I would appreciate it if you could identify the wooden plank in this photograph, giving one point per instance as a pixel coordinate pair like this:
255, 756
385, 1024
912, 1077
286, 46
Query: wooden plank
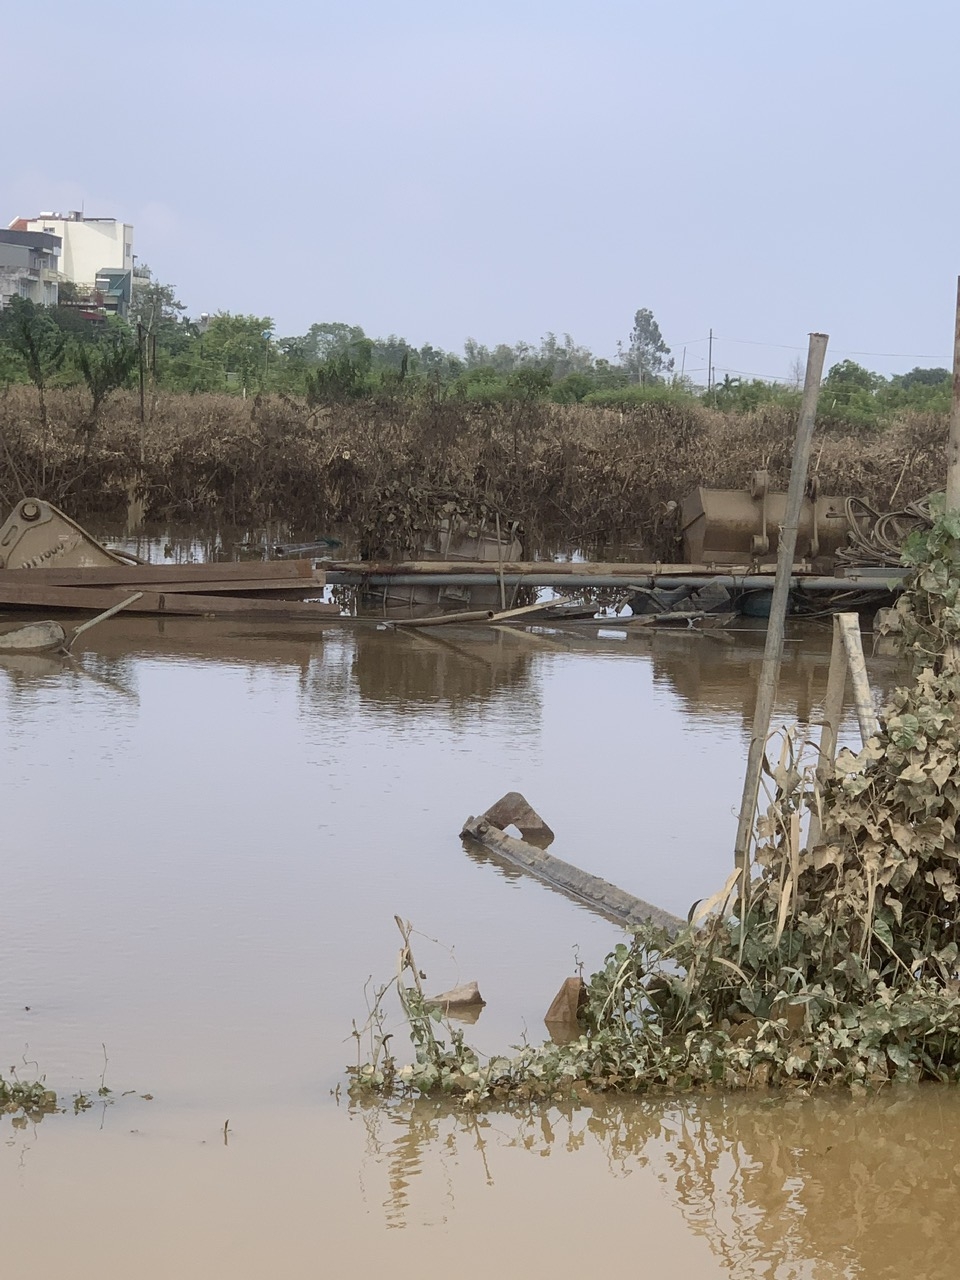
849, 626
603, 897
136, 575
95, 599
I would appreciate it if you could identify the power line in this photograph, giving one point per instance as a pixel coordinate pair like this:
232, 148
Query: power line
846, 351
785, 346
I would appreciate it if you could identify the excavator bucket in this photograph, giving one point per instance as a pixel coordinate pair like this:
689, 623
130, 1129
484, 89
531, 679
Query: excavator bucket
39, 536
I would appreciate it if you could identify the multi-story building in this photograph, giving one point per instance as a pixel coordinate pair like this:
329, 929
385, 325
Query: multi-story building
29, 266
96, 257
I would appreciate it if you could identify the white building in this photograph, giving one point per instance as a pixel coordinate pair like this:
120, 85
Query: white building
90, 245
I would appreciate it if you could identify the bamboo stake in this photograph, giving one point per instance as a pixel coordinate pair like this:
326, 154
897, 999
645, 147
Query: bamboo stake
481, 615
951, 655
832, 711
445, 619
953, 443
101, 617
849, 625
773, 650
539, 606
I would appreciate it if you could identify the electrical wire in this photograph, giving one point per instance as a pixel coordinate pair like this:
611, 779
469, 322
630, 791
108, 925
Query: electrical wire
787, 346
877, 537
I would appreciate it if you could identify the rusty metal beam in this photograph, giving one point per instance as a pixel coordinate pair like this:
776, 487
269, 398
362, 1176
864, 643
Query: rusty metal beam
164, 576
95, 599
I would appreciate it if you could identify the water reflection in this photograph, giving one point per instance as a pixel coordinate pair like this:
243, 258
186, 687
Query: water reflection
405, 671
228, 815
719, 674
825, 1186
408, 668
24, 670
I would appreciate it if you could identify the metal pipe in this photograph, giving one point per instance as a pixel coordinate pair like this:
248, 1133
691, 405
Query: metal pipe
738, 582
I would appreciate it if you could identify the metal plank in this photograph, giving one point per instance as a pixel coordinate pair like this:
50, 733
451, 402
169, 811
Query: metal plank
289, 588
95, 599
136, 575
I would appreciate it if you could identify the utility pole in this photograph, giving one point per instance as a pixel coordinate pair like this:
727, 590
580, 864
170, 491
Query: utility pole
710, 365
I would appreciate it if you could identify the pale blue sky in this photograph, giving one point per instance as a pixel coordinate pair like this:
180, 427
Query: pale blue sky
499, 170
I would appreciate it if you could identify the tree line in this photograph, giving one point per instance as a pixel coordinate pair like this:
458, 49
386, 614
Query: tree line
334, 362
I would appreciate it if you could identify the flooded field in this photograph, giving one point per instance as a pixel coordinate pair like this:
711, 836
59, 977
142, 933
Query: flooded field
208, 830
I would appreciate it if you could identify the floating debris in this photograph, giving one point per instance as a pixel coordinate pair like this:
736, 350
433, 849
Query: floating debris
530, 854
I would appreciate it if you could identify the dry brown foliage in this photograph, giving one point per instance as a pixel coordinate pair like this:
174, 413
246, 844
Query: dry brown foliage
576, 475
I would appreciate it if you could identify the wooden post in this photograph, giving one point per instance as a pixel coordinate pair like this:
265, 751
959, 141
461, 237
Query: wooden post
849, 625
832, 711
773, 651
140, 362
953, 444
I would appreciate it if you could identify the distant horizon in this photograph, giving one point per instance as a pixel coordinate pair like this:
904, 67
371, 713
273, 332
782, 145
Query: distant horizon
798, 350
442, 172
682, 367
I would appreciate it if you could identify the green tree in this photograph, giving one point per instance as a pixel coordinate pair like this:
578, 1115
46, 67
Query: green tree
154, 305
564, 356
105, 367
331, 338
573, 388
34, 336
734, 395
238, 345
436, 363
341, 377
922, 378
924, 390
849, 392
848, 376
646, 357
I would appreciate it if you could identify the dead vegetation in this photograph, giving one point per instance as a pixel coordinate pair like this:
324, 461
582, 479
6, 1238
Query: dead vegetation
574, 475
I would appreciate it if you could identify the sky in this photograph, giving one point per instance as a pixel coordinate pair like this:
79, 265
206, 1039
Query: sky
505, 169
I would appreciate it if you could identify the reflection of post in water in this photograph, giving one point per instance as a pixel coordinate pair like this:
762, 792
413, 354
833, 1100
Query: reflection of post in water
861, 1187
721, 676
407, 667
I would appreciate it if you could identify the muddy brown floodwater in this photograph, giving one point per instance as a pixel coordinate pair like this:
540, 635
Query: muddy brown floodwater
207, 831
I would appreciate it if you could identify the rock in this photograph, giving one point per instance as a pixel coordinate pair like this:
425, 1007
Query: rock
466, 996
568, 1002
